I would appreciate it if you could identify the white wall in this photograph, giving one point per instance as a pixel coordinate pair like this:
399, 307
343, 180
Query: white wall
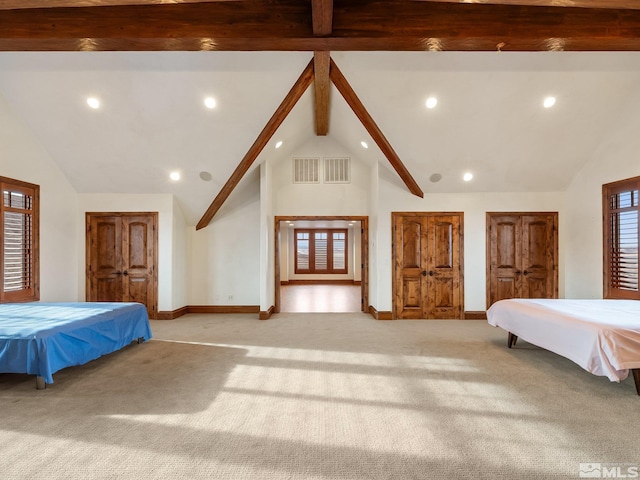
374, 189
161, 203
179, 265
267, 240
394, 198
224, 257
320, 198
616, 159
23, 158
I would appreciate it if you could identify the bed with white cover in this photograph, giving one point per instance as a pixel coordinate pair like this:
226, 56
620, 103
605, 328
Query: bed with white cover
602, 336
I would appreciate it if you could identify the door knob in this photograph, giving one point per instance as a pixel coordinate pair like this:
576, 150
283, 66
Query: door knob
431, 273
118, 272
125, 273
518, 272
526, 273
424, 273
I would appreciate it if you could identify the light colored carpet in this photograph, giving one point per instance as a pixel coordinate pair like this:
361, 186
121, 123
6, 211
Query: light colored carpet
317, 396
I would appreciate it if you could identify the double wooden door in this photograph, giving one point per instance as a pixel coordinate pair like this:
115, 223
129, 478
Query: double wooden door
122, 257
522, 255
428, 279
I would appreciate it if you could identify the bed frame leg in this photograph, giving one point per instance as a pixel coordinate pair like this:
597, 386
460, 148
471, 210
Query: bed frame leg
40, 385
636, 378
511, 340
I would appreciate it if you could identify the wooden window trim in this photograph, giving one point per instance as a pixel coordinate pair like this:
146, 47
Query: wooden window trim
32, 292
330, 232
609, 291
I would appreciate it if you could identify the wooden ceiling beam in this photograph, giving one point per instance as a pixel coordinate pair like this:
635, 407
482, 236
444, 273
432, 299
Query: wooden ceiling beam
370, 125
324, 8
322, 13
30, 4
322, 91
287, 25
322, 21
267, 132
630, 4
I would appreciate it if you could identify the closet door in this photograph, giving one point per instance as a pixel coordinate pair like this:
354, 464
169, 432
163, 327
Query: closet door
122, 258
522, 254
427, 279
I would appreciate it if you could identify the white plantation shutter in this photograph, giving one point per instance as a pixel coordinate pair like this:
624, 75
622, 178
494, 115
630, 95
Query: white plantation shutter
339, 251
321, 251
17, 251
302, 251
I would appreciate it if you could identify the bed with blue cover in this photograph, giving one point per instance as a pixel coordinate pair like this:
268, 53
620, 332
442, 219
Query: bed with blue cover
43, 338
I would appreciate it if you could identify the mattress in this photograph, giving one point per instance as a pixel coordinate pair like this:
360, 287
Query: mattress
43, 338
602, 336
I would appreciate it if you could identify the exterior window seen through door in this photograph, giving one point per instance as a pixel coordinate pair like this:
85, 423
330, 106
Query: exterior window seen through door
320, 250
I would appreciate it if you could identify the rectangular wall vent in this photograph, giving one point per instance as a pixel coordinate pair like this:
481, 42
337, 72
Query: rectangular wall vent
306, 170
337, 170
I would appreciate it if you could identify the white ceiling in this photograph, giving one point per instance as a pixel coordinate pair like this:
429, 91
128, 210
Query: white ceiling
489, 118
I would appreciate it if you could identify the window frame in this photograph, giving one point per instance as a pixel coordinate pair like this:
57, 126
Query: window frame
609, 189
330, 245
32, 292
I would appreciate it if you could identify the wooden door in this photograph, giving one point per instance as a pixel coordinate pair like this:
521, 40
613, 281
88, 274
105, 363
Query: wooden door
444, 272
104, 259
504, 255
121, 258
427, 265
539, 253
522, 252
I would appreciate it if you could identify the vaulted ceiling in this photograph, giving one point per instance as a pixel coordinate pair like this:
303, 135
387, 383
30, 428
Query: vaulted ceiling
490, 64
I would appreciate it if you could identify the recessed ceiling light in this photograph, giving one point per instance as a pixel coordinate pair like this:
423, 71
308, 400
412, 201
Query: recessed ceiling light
175, 175
93, 102
364, 144
467, 176
210, 102
436, 177
549, 102
279, 144
431, 102
206, 176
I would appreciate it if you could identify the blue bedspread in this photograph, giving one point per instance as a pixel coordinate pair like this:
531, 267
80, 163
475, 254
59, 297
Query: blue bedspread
42, 338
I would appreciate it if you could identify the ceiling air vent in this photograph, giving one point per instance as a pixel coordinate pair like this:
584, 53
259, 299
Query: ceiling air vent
305, 170
337, 170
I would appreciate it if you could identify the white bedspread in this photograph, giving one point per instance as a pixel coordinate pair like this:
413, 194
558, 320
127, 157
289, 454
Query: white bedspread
602, 336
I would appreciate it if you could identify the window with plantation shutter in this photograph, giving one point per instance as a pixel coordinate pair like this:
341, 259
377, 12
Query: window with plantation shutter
320, 250
621, 232
19, 255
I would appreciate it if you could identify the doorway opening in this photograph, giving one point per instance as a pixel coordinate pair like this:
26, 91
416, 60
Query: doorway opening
321, 264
